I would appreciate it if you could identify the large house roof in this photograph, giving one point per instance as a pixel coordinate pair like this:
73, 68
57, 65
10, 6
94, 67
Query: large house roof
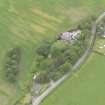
70, 35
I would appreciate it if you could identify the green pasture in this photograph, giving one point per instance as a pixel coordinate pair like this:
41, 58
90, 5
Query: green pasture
85, 87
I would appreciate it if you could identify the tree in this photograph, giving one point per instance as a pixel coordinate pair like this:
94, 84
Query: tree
42, 78
65, 67
58, 48
43, 49
12, 64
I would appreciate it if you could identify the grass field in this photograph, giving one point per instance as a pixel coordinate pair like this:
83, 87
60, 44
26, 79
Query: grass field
85, 87
26, 22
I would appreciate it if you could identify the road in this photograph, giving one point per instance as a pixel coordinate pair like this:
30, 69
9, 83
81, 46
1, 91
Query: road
39, 99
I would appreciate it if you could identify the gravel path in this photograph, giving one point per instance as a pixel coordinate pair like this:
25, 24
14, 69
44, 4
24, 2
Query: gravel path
39, 99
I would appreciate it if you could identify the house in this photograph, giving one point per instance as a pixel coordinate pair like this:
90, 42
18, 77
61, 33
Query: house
68, 36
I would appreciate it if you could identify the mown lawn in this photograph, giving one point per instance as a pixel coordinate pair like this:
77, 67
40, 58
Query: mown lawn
85, 87
25, 23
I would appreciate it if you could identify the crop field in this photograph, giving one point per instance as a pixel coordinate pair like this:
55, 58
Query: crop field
85, 87
26, 23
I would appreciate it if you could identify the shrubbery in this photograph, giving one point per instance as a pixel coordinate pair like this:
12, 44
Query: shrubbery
57, 62
57, 57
